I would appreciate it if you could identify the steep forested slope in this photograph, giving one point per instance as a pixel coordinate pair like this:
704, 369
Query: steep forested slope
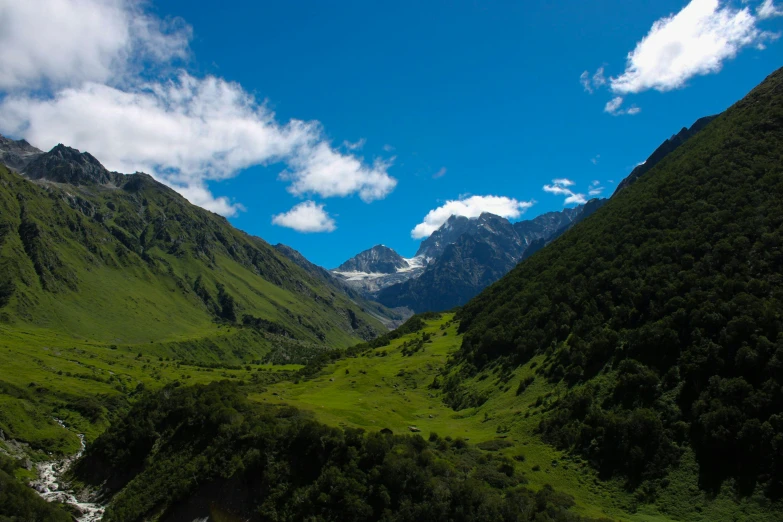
663, 312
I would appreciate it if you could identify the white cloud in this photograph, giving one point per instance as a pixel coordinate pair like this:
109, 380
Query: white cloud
768, 10
198, 194
307, 216
595, 188
65, 42
596, 81
594, 160
319, 169
613, 107
358, 145
560, 187
73, 80
584, 79
599, 80
695, 41
470, 207
440, 173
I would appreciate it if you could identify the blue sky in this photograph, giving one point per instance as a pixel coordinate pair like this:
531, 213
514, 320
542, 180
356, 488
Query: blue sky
377, 113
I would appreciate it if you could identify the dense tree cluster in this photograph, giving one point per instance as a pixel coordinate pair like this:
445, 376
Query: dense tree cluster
663, 311
184, 452
412, 325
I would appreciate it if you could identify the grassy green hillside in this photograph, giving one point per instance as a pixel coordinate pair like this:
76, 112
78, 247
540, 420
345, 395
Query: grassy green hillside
662, 317
139, 263
404, 384
110, 288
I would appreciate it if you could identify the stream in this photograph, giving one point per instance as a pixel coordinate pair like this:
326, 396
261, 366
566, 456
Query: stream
50, 487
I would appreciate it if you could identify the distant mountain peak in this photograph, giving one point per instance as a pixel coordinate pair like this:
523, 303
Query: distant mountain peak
379, 259
16, 154
65, 164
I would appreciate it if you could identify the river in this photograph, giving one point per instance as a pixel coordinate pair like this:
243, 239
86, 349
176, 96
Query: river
50, 486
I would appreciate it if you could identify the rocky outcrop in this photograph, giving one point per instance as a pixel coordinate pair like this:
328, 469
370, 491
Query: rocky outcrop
67, 165
17, 154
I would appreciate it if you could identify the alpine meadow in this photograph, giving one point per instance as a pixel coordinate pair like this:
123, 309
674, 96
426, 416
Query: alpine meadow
490, 354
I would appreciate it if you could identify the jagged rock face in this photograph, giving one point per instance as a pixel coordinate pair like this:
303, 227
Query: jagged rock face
664, 150
487, 249
67, 165
449, 232
463, 269
377, 268
499, 234
377, 260
17, 154
545, 225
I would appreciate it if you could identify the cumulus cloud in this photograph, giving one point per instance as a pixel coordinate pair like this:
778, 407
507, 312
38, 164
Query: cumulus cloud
182, 129
319, 169
65, 42
695, 41
470, 207
560, 187
307, 216
189, 130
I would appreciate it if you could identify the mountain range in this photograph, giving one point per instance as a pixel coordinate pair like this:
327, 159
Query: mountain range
465, 255
629, 351
457, 260
101, 255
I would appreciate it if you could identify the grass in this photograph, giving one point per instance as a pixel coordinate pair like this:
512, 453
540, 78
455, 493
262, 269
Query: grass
47, 375
386, 389
72, 274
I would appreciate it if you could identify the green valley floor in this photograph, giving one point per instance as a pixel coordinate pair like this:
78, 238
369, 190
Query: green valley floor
388, 389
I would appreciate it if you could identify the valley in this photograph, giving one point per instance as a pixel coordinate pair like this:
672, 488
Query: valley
391, 388
577, 359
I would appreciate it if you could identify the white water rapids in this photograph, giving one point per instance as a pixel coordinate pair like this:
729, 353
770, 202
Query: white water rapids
50, 487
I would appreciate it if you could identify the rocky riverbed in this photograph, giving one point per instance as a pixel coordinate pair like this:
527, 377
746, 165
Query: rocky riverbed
51, 487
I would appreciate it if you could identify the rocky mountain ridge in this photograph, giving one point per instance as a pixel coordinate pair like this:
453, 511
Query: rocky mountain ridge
456, 261
379, 259
73, 233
